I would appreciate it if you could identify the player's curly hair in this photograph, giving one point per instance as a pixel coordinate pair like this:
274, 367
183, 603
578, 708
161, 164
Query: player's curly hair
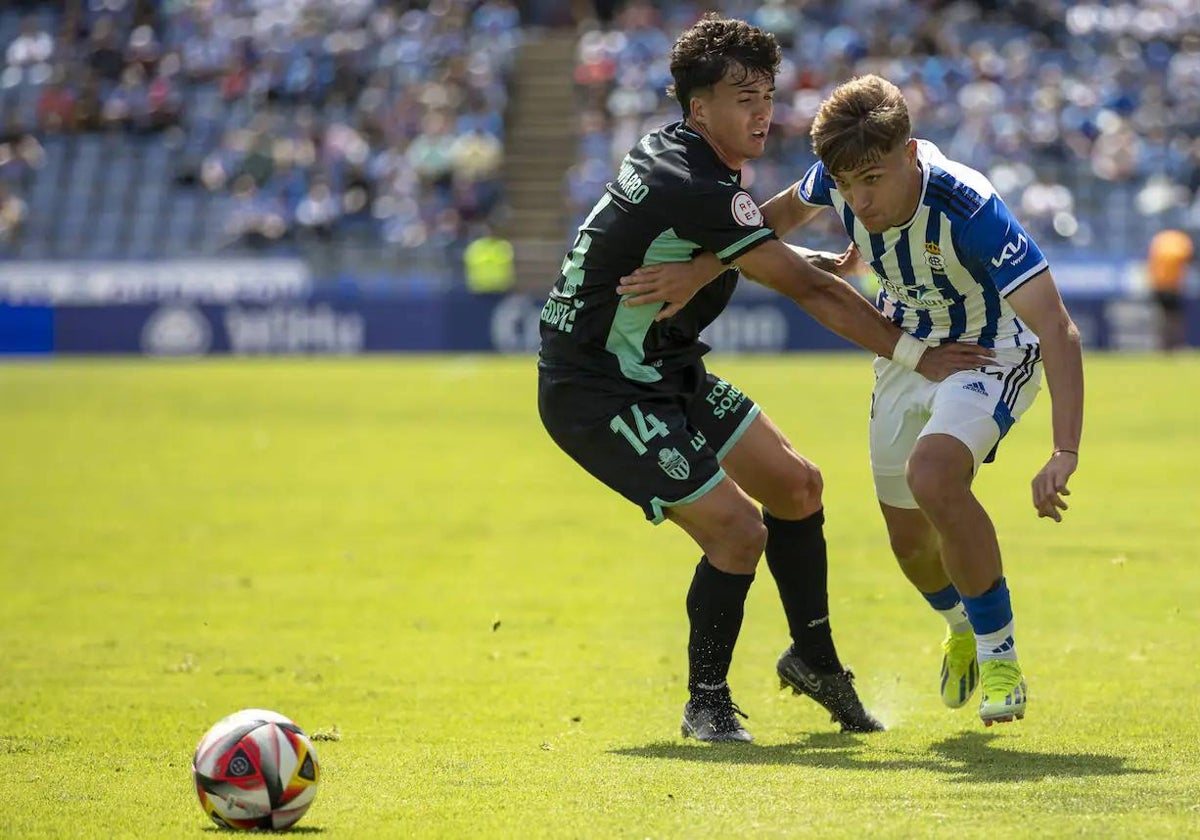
715, 45
861, 120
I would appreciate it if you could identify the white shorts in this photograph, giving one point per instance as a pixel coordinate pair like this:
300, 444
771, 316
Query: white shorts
977, 407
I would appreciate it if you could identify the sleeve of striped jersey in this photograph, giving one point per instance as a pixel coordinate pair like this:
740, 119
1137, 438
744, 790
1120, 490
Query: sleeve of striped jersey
996, 244
723, 220
814, 186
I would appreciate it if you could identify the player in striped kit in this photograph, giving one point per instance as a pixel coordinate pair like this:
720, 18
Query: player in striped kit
953, 265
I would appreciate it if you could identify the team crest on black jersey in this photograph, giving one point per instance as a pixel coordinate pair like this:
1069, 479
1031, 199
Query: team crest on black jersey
933, 256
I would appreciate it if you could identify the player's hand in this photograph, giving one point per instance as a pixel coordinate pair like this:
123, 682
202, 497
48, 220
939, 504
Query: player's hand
674, 283
946, 359
1050, 485
847, 264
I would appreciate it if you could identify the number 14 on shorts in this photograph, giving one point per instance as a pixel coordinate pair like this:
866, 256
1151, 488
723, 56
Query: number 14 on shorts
648, 428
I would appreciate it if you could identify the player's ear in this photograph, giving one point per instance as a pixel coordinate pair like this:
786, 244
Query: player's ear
698, 105
910, 150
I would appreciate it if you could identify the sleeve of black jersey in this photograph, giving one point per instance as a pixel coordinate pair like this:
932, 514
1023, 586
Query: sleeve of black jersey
722, 219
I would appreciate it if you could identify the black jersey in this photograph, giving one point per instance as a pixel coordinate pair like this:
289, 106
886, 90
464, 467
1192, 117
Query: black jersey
672, 199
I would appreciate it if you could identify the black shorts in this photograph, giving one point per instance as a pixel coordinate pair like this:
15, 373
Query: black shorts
1169, 301
656, 449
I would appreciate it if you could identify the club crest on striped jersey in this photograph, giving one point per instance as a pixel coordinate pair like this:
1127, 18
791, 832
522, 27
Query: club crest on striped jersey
745, 211
934, 258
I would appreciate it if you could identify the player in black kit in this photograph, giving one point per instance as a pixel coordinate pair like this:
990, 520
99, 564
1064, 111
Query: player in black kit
623, 389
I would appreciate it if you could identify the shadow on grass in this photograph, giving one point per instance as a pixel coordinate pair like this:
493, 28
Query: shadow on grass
299, 829
966, 757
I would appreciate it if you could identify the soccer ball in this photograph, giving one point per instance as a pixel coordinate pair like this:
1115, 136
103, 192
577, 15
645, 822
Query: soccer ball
255, 769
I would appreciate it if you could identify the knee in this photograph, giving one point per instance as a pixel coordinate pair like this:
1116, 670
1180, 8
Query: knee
934, 481
800, 495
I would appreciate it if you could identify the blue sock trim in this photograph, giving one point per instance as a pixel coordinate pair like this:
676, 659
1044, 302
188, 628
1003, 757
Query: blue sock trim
991, 610
943, 599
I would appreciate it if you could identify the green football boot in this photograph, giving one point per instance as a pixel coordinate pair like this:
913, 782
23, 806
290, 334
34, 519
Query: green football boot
960, 668
1004, 692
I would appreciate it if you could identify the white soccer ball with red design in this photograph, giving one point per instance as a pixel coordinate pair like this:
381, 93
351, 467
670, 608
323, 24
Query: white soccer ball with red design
255, 769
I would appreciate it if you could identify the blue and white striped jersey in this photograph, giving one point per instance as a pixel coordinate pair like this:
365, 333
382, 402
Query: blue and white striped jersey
945, 274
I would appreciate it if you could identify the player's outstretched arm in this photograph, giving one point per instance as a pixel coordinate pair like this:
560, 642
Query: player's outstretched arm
675, 283
841, 309
785, 212
1039, 305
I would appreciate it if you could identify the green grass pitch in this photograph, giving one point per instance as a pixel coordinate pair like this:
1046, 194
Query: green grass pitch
393, 547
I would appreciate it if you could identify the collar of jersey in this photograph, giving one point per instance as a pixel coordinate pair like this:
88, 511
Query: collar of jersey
921, 198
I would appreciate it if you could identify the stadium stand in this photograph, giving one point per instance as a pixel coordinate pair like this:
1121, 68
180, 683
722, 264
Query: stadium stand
138, 129
377, 137
1085, 115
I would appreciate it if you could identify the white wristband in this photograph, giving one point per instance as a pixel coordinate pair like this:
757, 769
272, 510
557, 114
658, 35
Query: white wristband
908, 351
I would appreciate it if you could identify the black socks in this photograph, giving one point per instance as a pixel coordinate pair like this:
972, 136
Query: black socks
797, 560
715, 603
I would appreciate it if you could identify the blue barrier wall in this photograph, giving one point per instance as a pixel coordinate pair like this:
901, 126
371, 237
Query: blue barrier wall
26, 329
456, 322
246, 310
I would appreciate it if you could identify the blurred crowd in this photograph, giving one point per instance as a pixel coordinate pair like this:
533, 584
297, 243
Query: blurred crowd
1086, 116
313, 115
386, 118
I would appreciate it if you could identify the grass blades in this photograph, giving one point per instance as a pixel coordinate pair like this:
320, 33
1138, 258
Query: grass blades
392, 550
